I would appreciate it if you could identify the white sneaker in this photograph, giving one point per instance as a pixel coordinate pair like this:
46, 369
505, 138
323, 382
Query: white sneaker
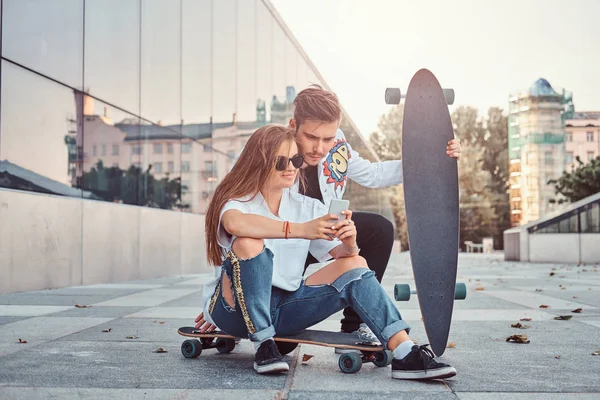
365, 335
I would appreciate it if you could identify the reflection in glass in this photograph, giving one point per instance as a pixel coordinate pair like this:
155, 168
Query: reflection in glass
40, 140
112, 176
196, 90
224, 61
112, 52
161, 62
45, 37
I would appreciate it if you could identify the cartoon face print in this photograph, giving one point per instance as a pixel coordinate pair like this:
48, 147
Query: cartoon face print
336, 164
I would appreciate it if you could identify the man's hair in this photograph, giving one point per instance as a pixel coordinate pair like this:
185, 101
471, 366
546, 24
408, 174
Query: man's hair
316, 104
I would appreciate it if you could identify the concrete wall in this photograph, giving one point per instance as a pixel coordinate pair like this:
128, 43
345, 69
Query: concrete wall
554, 247
590, 248
53, 241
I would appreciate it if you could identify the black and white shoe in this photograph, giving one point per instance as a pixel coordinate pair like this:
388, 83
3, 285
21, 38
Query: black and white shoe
419, 364
268, 360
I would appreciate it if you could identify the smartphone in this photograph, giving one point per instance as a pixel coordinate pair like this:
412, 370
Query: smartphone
336, 207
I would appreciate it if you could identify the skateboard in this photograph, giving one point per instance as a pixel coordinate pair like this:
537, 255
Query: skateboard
348, 362
431, 199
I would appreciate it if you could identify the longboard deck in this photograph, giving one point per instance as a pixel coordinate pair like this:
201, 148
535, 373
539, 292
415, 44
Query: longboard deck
431, 200
313, 337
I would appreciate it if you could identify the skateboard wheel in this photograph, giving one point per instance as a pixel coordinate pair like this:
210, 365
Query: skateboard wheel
225, 345
402, 292
286, 347
383, 358
449, 95
460, 291
392, 96
350, 363
191, 348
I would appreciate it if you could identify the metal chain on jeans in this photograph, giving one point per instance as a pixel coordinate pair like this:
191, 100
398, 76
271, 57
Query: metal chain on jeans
237, 283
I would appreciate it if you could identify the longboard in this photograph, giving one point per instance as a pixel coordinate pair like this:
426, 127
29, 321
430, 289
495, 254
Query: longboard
431, 199
348, 362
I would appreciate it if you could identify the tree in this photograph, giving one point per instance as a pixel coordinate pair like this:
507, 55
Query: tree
134, 187
387, 143
578, 184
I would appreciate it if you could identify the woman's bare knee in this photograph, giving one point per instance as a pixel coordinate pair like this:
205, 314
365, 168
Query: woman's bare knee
247, 247
329, 273
227, 291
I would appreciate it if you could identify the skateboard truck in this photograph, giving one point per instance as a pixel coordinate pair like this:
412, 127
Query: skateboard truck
394, 95
403, 291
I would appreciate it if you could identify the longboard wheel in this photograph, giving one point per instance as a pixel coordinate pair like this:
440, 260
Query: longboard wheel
285, 347
191, 348
460, 291
449, 96
392, 96
225, 345
402, 292
350, 363
383, 358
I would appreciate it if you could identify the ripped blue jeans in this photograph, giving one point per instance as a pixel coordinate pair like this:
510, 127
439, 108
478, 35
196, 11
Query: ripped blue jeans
262, 310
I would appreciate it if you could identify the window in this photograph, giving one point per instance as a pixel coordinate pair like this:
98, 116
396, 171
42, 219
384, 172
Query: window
570, 157
157, 167
136, 149
590, 219
590, 155
103, 150
171, 166
207, 147
95, 150
231, 154
589, 136
170, 148
209, 166
185, 166
115, 150
548, 158
568, 137
158, 147
185, 187
186, 148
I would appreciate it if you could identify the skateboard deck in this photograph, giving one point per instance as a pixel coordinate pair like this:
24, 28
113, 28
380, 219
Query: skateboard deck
431, 200
349, 362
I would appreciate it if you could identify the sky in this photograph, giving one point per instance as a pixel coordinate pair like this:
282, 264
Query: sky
484, 50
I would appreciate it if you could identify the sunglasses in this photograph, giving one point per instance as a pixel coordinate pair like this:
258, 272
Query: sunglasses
281, 162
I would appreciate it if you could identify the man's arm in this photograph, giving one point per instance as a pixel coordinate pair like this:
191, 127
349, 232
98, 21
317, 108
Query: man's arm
373, 174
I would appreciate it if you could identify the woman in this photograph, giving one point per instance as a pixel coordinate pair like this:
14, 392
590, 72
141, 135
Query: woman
258, 234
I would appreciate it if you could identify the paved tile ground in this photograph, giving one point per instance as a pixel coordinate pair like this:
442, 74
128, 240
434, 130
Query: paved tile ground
68, 356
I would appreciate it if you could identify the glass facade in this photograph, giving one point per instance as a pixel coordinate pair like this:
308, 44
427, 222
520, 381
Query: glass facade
145, 102
585, 219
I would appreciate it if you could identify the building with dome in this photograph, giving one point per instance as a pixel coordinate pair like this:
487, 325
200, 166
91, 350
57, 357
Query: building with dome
536, 140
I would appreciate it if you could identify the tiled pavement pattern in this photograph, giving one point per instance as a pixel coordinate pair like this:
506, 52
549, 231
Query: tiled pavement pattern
67, 356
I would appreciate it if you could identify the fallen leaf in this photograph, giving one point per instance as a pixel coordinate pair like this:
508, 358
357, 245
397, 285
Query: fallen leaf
132, 337
538, 290
518, 325
577, 310
563, 288
306, 357
22, 341
557, 357
80, 306
552, 273
480, 288
107, 330
518, 339
155, 321
575, 297
451, 345
162, 322
525, 319
161, 350
596, 353
563, 317
544, 306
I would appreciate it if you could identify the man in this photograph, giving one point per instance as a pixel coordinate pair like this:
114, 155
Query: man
329, 162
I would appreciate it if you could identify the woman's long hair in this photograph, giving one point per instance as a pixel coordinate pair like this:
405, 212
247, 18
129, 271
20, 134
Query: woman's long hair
246, 178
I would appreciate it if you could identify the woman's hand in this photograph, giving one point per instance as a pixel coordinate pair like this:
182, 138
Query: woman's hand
346, 230
319, 228
205, 327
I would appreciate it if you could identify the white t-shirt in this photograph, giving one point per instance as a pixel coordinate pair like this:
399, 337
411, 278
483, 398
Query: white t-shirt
289, 254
